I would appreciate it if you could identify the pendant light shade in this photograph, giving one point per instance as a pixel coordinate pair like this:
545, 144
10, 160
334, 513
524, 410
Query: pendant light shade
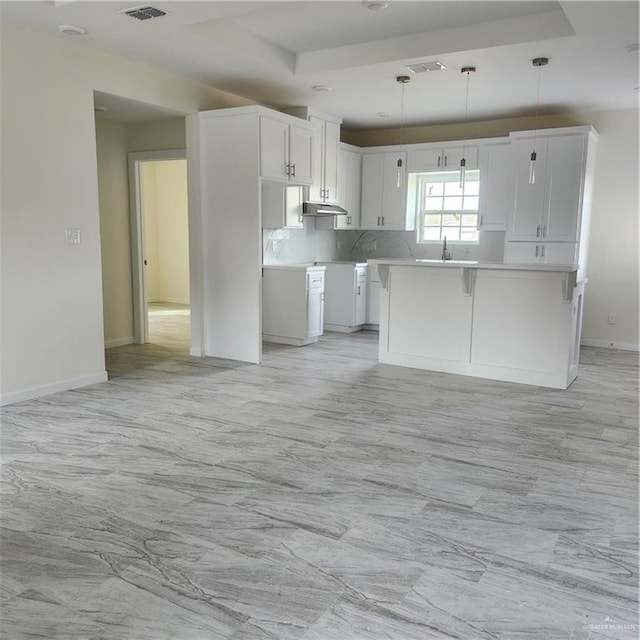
536, 62
402, 80
463, 161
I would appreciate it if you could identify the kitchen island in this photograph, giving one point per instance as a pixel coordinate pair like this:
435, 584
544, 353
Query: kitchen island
518, 323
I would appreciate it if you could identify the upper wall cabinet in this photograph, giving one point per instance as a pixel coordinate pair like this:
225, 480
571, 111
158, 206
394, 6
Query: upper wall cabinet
496, 185
324, 186
439, 157
384, 191
286, 149
549, 203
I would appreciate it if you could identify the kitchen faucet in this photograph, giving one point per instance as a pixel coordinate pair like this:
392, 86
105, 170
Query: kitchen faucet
446, 255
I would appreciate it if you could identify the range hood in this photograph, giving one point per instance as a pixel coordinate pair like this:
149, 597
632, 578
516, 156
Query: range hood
322, 209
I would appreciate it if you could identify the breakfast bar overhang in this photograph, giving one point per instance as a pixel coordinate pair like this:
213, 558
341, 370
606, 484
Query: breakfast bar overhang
511, 322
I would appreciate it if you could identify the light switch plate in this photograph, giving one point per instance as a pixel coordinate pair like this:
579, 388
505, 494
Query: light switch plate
72, 236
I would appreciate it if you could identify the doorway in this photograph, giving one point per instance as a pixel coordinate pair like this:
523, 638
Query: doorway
160, 248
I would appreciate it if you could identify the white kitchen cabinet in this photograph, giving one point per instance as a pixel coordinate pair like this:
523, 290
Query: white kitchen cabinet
541, 253
555, 207
281, 206
438, 157
286, 149
292, 304
373, 297
349, 190
383, 202
345, 296
349, 187
326, 141
496, 185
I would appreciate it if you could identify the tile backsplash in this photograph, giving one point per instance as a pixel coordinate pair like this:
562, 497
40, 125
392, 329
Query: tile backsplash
309, 245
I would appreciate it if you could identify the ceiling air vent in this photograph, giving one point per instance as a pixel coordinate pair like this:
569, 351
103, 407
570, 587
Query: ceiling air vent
421, 67
144, 13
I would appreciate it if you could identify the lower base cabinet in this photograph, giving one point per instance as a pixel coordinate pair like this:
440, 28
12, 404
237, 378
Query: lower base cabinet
345, 296
292, 304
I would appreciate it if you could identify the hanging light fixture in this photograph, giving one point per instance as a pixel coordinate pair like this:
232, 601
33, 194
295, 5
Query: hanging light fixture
401, 80
463, 162
536, 62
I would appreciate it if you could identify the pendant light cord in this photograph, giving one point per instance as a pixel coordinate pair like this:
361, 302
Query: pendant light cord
535, 118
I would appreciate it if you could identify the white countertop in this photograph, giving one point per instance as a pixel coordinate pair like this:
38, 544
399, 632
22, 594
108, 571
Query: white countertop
353, 263
473, 264
299, 267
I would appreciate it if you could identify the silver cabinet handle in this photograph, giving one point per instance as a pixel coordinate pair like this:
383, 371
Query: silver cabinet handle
538, 231
328, 194
542, 251
445, 161
378, 220
544, 231
537, 250
293, 169
358, 291
287, 169
439, 159
481, 219
383, 221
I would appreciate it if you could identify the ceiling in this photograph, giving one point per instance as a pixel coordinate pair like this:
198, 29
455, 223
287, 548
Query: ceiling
275, 52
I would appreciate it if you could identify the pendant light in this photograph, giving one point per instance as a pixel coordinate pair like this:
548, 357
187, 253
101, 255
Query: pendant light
463, 162
536, 62
401, 80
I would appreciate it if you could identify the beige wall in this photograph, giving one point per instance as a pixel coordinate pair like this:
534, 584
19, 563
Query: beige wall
167, 133
164, 202
49, 184
115, 239
613, 245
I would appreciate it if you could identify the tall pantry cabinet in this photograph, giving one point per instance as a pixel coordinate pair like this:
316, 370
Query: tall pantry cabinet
549, 222
240, 148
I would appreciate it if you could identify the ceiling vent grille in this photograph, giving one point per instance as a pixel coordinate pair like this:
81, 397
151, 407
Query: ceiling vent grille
144, 13
421, 67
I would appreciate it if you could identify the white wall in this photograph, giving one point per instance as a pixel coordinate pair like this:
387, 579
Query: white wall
612, 268
164, 201
51, 314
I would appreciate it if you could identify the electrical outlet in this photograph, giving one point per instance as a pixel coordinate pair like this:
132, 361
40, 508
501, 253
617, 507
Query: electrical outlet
72, 236
611, 318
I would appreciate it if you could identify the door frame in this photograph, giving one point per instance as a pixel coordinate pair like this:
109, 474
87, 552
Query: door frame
136, 218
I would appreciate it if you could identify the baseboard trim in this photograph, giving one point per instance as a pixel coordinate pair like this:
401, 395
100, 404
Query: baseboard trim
119, 342
54, 387
198, 353
171, 301
622, 346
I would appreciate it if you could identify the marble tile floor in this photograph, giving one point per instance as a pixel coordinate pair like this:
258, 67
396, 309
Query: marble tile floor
321, 496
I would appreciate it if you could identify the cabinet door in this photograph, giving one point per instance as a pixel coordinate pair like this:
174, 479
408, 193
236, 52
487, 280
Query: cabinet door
360, 307
496, 186
559, 252
394, 191
274, 146
331, 148
522, 253
429, 159
315, 312
372, 174
373, 302
526, 220
316, 193
564, 178
300, 154
293, 208
451, 157
349, 186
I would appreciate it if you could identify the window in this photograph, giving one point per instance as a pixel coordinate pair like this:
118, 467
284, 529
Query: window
443, 208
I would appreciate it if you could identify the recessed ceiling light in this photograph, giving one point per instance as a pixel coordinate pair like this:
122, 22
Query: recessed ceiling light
322, 88
71, 30
383, 114
375, 5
